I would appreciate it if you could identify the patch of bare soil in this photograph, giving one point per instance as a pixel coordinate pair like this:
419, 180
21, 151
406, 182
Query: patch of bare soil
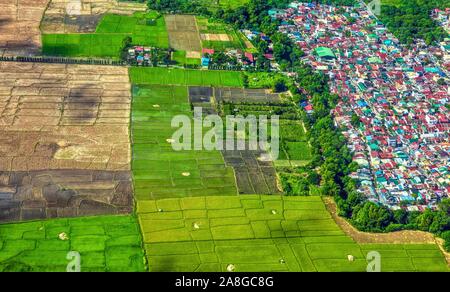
220, 37
64, 140
19, 27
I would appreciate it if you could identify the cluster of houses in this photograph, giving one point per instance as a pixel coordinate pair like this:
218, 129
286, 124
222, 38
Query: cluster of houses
252, 35
442, 52
442, 17
401, 96
139, 55
243, 59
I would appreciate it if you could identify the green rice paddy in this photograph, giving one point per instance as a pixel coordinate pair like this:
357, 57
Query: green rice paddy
158, 170
263, 233
254, 233
107, 41
143, 29
105, 243
294, 146
82, 45
164, 76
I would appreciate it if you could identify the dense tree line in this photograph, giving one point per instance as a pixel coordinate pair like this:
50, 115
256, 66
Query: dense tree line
410, 19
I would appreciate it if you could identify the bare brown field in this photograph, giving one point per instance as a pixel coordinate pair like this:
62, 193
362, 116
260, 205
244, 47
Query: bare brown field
183, 32
193, 54
219, 37
19, 27
64, 140
397, 237
61, 17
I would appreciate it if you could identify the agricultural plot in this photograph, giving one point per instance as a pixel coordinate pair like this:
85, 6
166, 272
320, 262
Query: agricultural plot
183, 33
65, 16
253, 174
239, 95
64, 141
83, 45
164, 76
181, 57
105, 244
232, 95
107, 41
262, 233
19, 27
294, 148
219, 36
70, 23
145, 29
158, 170
231, 3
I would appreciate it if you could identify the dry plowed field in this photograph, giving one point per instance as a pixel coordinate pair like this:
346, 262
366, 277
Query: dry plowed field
19, 26
64, 141
64, 17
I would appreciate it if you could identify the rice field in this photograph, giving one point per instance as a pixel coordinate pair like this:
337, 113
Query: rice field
211, 29
180, 58
165, 76
105, 243
161, 172
107, 41
144, 29
253, 233
263, 233
82, 45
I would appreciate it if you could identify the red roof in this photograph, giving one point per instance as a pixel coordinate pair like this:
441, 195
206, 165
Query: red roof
249, 56
208, 51
308, 108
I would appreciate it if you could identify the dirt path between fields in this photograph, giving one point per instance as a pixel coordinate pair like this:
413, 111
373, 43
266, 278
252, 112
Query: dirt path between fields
405, 236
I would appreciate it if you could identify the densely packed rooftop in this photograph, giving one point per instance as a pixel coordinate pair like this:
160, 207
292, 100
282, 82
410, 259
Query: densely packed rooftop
399, 96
